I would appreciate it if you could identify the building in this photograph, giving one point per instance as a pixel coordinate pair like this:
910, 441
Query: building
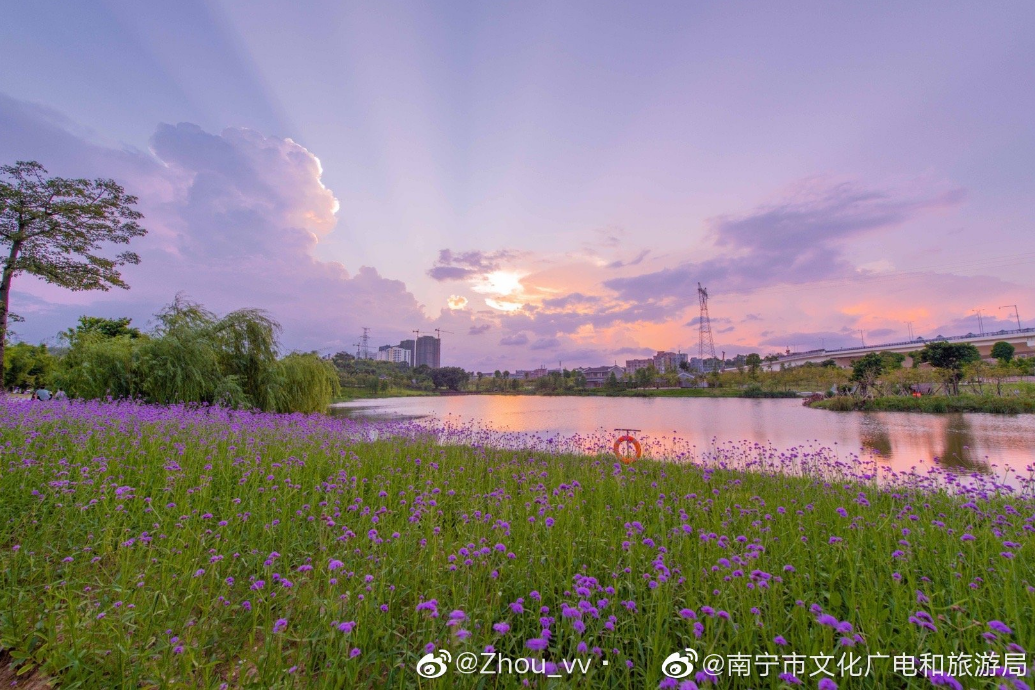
668, 361
596, 377
409, 345
634, 365
391, 353
428, 351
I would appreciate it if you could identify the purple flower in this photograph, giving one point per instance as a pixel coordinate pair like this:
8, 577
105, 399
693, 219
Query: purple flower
501, 628
944, 680
347, 626
280, 625
537, 644
354, 653
827, 684
827, 619
999, 626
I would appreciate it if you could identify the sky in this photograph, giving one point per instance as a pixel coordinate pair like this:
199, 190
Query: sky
545, 182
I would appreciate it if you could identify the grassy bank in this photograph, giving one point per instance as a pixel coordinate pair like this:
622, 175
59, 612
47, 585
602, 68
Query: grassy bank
163, 547
348, 394
931, 403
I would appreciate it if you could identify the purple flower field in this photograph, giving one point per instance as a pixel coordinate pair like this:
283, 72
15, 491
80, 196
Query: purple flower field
147, 546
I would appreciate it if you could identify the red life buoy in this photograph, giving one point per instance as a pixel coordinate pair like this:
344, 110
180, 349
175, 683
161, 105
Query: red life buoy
627, 459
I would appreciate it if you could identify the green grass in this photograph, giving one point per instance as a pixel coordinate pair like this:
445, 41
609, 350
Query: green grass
931, 403
131, 538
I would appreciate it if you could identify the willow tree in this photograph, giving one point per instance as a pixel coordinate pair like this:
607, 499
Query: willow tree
56, 228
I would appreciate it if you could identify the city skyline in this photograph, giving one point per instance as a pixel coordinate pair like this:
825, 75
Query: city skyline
545, 183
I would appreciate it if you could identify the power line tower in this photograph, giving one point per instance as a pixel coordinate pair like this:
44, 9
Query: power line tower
363, 346
706, 346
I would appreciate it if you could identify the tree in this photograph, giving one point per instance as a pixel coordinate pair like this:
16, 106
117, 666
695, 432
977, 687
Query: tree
1003, 351
107, 328
951, 358
892, 360
27, 366
646, 376
453, 378
55, 228
866, 370
754, 363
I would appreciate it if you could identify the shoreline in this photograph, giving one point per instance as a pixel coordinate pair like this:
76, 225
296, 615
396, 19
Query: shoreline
929, 404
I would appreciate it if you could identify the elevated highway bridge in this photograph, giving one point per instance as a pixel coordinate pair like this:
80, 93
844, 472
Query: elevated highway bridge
1023, 340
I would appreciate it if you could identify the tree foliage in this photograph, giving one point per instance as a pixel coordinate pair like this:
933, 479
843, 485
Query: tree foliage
194, 356
866, 370
951, 358
109, 328
453, 378
1003, 351
28, 366
57, 228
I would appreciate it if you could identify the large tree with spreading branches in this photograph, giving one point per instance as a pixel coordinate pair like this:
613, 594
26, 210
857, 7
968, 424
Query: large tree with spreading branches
58, 229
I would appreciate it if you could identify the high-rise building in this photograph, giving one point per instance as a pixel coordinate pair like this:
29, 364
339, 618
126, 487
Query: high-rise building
409, 345
668, 361
632, 365
390, 353
428, 351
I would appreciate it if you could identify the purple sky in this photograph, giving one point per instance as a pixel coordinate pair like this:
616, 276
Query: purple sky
548, 181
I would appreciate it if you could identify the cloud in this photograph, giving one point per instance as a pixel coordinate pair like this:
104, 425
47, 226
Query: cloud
571, 300
751, 317
233, 220
456, 302
516, 339
797, 240
479, 329
545, 344
471, 264
641, 351
633, 262
696, 321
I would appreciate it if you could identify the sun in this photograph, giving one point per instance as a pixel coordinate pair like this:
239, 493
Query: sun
500, 283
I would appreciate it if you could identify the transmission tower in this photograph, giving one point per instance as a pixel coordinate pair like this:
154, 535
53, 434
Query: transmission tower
363, 346
706, 347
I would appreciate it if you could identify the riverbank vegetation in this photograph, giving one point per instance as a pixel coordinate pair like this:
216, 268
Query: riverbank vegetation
930, 403
148, 546
945, 377
190, 356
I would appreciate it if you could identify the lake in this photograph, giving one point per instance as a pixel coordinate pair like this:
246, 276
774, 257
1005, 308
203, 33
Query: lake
974, 442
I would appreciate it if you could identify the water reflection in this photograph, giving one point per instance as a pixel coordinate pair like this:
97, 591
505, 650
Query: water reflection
969, 442
874, 435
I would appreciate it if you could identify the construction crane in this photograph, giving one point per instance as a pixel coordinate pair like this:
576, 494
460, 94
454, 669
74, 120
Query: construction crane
439, 332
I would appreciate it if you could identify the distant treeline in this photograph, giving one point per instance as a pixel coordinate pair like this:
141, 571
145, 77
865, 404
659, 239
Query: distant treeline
191, 356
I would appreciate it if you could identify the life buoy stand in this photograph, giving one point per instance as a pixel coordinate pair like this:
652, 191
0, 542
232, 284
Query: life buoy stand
628, 459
